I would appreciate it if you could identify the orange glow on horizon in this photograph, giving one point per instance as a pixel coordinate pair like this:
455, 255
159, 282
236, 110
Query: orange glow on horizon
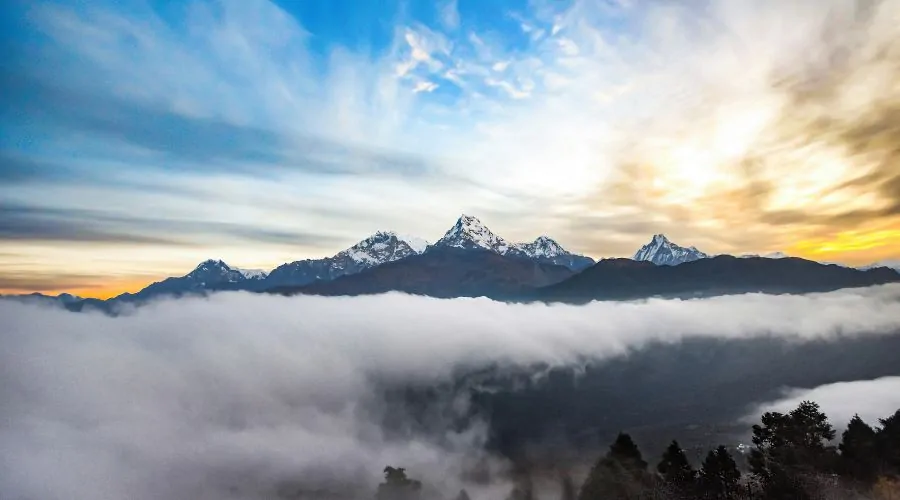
861, 247
101, 291
112, 289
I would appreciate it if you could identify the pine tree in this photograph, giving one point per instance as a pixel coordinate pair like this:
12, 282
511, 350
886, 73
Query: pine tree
675, 468
621, 474
859, 453
624, 451
610, 479
719, 475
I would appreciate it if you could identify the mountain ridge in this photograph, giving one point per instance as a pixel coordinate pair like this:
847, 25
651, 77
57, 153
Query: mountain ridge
468, 234
627, 279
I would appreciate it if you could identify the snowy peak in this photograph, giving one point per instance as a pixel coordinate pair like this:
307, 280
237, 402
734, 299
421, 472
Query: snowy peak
215, 271
663, 252
381, 247
469, 233
546, 250
252, 274
210, 265
543, 246
417, 244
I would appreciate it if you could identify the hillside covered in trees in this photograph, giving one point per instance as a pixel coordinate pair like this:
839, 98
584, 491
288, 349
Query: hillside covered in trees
795, 456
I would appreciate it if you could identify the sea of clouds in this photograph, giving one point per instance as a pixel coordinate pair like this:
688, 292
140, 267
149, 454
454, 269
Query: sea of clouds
245, 396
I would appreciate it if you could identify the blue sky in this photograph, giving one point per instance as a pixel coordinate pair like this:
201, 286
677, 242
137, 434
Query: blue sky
139, 137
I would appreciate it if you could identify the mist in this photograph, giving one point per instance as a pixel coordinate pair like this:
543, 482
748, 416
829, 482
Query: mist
870, 399
254, 396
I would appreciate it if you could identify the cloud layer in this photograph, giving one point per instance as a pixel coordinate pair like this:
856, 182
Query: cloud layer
870, 399
241, 395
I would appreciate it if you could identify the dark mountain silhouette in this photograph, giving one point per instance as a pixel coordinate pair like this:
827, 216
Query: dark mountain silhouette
622, 279
445, 272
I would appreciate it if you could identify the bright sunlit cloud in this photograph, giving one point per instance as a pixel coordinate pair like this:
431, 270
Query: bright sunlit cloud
262, 132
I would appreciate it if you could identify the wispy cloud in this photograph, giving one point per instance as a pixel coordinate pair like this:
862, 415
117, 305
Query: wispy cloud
585, 120
450, 14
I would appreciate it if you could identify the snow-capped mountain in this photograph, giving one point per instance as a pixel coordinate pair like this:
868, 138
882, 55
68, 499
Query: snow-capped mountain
663, 252
208, 275
380, 248
545, 249
469, 233
253, 274
213, 272
543, 246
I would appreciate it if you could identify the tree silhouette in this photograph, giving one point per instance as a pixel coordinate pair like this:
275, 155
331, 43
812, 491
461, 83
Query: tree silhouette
621, 474
397, 486
888, 442
719, 475
675, 468
859, 458
790, 447
624, 451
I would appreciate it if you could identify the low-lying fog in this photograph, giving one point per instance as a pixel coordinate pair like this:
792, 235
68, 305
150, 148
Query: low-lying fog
255, 396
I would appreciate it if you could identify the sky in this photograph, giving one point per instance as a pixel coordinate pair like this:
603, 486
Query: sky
138, 138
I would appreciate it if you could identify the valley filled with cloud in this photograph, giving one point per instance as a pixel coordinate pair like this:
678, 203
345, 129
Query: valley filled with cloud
241, 395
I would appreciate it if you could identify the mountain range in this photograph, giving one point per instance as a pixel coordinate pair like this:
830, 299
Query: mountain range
471, 260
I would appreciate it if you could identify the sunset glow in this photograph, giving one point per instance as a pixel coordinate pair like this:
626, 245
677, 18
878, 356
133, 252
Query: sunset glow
140, 139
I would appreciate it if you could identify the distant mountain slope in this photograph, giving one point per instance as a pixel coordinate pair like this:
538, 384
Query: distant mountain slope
40, 298
380, 248
445, 272
615, 279
208, 275
663, 252
891, 264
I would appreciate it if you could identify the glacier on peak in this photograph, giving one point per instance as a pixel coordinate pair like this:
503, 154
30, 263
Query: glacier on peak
253, 274
662, 252
470, 233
